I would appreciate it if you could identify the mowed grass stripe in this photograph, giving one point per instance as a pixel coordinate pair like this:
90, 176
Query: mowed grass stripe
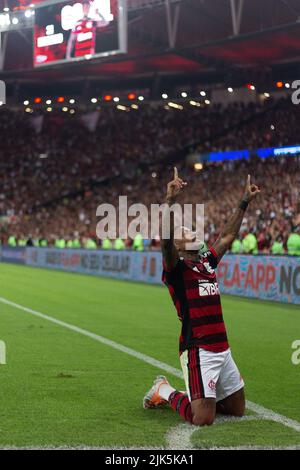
60, 389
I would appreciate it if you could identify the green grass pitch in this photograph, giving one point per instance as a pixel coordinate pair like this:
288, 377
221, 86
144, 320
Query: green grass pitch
60, 388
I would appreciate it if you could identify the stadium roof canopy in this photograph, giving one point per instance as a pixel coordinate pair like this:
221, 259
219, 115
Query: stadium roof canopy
179, 37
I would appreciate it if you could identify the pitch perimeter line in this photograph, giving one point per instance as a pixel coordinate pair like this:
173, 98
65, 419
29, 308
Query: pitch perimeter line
179, 437
260, 410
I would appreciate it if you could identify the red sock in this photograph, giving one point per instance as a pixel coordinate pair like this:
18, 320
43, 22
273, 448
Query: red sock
181, 404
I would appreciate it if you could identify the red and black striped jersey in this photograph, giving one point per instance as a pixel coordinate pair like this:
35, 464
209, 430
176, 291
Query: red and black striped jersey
85, 37
196, 296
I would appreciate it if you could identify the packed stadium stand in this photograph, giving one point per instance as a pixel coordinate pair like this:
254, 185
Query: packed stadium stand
57, 167
55, 172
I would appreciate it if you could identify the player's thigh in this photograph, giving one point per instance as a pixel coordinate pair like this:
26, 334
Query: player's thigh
201, 371
203, 411
230, 382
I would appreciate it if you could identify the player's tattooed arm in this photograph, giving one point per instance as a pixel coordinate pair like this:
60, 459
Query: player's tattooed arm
232, 227
169, 250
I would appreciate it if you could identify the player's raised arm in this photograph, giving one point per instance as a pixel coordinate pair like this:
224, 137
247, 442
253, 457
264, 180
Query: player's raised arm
169, 251
232, 227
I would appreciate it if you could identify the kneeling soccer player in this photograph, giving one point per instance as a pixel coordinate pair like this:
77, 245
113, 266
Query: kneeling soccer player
212, 379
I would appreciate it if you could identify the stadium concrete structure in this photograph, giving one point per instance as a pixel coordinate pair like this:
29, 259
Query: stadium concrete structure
229, 42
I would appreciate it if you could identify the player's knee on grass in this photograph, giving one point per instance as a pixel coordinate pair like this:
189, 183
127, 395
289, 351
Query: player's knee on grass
203, 420
203, 412
238, 403
233, 405
239, 409
239, 412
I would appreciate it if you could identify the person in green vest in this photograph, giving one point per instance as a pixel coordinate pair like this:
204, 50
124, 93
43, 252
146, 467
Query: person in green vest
138, 244
43, 243
12, 242
277, 247
69, 243
60, 243
106, 244
36, 242
119, 244
90, 244
76, 243
249, 244
293, 244
22, 242
237, 246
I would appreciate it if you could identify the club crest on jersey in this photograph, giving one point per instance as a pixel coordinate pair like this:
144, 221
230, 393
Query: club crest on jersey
212, 385
207, 288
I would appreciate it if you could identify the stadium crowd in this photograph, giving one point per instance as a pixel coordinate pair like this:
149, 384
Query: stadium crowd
52, 181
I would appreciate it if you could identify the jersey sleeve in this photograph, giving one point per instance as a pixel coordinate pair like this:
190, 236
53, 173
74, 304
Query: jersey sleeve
211, 257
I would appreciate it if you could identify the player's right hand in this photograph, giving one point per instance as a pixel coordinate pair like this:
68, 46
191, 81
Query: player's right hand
175, 186
251, 190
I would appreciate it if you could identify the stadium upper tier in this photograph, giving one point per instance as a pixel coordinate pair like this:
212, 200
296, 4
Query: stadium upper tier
54, 172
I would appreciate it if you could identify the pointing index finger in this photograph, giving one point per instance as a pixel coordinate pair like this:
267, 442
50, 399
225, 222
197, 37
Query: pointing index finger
175, 173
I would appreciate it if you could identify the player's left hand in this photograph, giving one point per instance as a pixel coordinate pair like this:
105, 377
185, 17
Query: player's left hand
251, 190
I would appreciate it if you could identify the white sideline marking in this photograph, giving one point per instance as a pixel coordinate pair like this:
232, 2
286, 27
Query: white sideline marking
264, 412
100, 339
179, 437
270, 414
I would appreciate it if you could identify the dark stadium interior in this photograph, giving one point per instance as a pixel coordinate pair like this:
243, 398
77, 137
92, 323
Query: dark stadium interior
269, 34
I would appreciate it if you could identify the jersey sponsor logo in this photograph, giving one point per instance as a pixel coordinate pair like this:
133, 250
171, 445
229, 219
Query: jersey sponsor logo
208, 288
